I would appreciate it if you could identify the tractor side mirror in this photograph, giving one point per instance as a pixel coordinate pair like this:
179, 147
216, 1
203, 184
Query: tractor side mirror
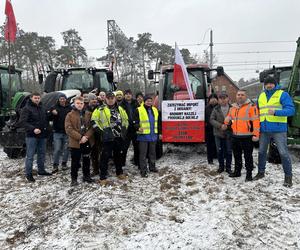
11, 69
262, 76
220, 71
150, 74
41, 78
110, 76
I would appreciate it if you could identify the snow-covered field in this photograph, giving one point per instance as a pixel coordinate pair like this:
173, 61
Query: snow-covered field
187, 205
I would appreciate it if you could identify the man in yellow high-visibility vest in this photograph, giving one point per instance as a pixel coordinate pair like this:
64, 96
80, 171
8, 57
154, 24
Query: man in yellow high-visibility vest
275, 106
146, 124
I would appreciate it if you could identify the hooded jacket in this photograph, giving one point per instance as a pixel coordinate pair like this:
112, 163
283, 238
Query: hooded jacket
288, 109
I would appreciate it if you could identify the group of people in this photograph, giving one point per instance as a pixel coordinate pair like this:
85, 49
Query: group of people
93, 129
235, 129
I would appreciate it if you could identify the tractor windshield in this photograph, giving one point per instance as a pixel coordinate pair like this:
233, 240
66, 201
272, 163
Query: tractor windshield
285, 79
103, 82
16, 85
78, 79
173, 92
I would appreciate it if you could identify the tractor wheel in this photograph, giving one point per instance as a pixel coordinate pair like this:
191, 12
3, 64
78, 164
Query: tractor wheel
273, 154
14, 153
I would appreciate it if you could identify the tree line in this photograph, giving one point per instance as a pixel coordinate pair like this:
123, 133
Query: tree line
36, 54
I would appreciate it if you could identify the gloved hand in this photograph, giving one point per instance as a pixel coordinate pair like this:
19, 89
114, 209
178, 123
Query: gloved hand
97, 130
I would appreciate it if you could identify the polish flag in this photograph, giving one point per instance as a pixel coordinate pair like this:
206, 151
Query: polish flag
180, 76
11, 25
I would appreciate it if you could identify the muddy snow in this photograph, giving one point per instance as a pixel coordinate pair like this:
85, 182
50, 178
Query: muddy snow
187, 205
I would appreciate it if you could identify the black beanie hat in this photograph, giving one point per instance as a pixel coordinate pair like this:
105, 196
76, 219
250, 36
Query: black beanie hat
146, 97
270, 79
213, 95
139, 94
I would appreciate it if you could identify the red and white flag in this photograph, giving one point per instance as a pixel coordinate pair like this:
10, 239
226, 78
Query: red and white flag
180, 76
10, 25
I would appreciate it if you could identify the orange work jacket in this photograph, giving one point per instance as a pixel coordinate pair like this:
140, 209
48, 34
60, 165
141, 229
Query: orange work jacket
244, 119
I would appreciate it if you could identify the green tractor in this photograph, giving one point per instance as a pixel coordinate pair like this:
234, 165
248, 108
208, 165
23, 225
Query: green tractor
83, 79
12, 99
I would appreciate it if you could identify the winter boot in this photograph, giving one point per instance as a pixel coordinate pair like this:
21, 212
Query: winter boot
288, 181
30, 178
220, 170
74, 183
154, 170
87, 179
144, 174
249, 176
235, 174
44, 173
259, 175
64, 166
122, 177
55, 168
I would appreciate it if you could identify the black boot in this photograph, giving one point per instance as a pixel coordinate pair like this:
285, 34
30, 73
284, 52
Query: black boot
74, 183
259, 175
288, 181
235, 174
249, 176
45, 173
220, 170
87, 179
144, 174
55, 168
30, 178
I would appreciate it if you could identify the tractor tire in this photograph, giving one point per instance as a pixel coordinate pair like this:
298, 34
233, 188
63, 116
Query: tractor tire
14, 153
273, 154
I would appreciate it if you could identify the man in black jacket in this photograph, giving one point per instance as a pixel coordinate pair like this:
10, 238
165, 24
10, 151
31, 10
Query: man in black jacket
34, 119
58, 114
209, 134
130, 105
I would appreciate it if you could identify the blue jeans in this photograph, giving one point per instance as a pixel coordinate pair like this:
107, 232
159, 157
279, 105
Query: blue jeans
224, 152
35, 145
280, 139
60, 145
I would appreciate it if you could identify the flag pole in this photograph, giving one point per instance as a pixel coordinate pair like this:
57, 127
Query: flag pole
9, 71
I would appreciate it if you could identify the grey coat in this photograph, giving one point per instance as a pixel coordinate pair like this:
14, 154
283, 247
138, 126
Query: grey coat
216, 120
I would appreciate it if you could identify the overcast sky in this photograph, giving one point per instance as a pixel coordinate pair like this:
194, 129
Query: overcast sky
181, 21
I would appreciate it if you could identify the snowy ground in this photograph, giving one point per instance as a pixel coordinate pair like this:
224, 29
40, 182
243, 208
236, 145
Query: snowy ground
187, 205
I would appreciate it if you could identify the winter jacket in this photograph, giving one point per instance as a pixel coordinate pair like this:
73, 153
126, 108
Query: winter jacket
59, 119
208, 127
217, 120
101, 120
34, 116
288, 109
77, 124
154, 130
244, 120
130, 110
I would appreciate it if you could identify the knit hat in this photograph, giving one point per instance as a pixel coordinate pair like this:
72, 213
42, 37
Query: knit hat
139, 94
110, 94
128, 91
119, 92
91, 97
213, 95
146, 97
270, 79
62, 95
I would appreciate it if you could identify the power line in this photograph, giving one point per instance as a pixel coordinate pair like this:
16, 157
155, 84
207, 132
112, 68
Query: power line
253, 64
254, 52
229, 43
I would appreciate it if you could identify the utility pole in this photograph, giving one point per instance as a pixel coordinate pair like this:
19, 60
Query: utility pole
211, 49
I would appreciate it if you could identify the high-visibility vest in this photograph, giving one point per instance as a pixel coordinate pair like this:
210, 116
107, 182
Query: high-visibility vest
244, 120
101, 116
273, 103
144, 120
